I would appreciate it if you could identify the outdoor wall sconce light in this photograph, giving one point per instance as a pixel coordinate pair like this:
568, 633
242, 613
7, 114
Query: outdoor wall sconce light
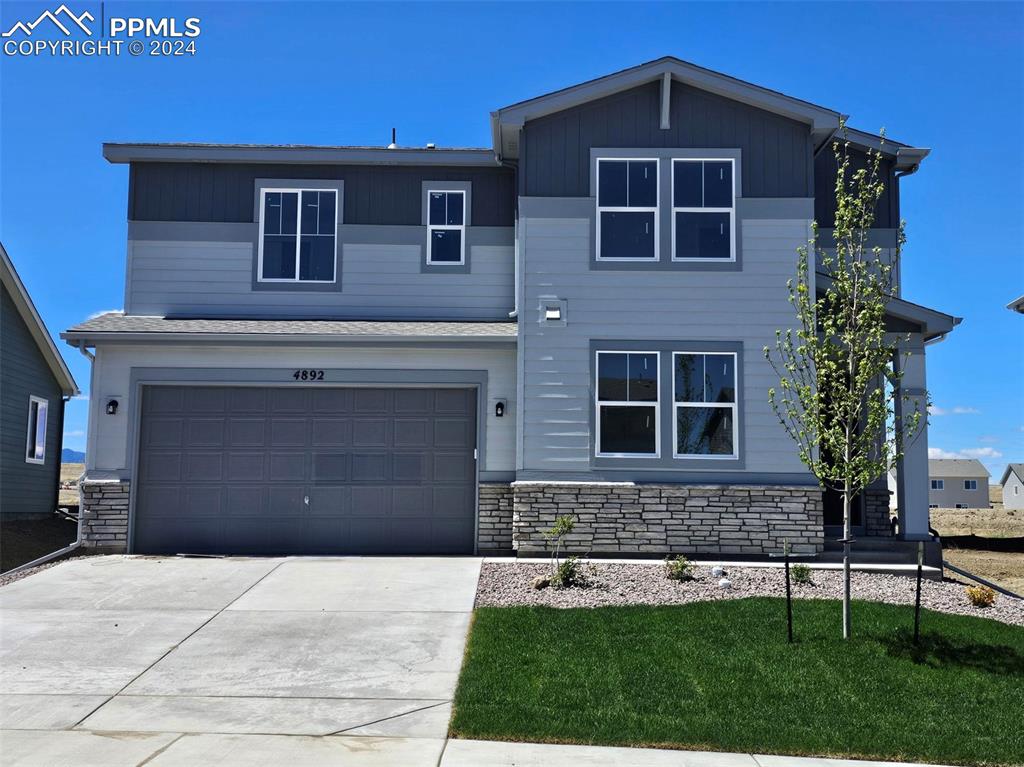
112, 407
499, 409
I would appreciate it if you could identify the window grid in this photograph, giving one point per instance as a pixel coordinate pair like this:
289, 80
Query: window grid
35, 439
938, 484
676, 162
970, 484
299, 233
628, 208
446, 227
731, 406
655, 406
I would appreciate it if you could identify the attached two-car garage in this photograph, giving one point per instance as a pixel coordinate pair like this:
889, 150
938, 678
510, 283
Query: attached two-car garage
305, 470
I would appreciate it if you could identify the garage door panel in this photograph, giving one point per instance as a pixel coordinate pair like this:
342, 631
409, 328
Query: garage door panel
306, 470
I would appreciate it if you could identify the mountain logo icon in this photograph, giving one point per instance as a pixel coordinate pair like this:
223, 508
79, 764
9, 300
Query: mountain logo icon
63, 12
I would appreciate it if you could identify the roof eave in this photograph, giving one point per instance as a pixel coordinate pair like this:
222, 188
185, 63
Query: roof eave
34, 322
93, 338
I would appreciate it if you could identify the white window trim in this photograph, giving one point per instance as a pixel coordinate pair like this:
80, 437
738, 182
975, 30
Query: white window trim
731, 211
33, 427
599, 403
628, 209
938, 484
264, 191
447, 227
734, 406
971, 489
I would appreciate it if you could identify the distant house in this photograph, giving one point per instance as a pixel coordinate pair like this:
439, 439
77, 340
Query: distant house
957, 484
1013, 486
34, 385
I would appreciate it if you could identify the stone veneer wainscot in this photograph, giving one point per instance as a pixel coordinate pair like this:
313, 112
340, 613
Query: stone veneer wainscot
494, 526
104, 510
624, 517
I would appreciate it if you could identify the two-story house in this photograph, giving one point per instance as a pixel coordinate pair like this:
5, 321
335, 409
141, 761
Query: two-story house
957, 483
362, 350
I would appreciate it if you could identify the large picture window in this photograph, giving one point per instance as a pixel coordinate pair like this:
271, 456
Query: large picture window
35, 441
446, 227
627, 404
703, 210
705, 405
297, 240
627, 210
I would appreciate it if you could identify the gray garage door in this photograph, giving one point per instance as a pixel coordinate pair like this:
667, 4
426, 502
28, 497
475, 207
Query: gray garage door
245, 470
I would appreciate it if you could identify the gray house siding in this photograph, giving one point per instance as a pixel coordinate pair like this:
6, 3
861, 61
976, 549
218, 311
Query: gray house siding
1013, 492
381, 195
953, 493
25, 488
776, 151
887, 214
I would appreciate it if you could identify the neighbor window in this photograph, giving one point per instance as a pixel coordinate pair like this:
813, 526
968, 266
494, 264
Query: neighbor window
446, 227
298, 237
970, 484
1016, 490
627, 404
703, 210
938, 484
35, 442
962, 506
627, 210
933, 505
705, 405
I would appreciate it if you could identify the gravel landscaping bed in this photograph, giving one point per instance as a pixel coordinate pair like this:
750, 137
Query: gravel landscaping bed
504, 584
8, 578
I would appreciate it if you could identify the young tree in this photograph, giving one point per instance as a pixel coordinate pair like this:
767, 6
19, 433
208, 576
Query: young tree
838, 386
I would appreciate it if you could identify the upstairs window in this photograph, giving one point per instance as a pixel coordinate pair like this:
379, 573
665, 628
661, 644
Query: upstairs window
35, 442
938, 484
705, 405
970, 484
299, 227
703, 210
627, 404
627, 210
446, 227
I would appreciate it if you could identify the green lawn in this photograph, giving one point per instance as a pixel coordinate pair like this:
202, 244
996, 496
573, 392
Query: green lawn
720, 676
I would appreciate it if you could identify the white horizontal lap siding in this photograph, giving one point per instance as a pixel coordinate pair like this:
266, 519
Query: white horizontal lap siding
376, 281
109, 450
745, 306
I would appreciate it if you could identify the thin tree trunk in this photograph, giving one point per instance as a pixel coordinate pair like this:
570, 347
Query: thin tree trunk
846, 561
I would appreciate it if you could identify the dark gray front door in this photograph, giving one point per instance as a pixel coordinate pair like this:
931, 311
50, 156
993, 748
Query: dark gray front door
246, 470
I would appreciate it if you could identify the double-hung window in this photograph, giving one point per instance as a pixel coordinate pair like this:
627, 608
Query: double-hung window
297, 242
938, 484
705, 405
446, 227
703, 210
35, 441
627, 404
627, 210
970, 484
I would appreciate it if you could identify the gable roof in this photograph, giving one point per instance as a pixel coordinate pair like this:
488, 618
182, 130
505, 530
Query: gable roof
1016, 468
27, 310
507, 122
956, 467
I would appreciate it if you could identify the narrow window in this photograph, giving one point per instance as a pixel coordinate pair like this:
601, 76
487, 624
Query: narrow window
1016, 490
446, 228
703, 210
627, 210
938, 484
627, 404
705, 405
35, 442
299, 227
970, 484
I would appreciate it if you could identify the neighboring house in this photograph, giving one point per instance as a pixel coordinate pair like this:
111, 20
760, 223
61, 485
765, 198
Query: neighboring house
348, 350
34, 385
957, 484
1013, 486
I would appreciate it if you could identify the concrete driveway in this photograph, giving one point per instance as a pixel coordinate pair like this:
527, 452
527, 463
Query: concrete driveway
129, 660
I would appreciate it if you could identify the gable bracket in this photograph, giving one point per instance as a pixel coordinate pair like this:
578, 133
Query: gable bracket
666, 98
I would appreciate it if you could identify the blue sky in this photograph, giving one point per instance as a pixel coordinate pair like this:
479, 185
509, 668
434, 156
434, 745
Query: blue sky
948, 76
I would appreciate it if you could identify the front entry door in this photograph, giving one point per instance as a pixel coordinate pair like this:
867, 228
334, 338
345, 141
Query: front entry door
833, 507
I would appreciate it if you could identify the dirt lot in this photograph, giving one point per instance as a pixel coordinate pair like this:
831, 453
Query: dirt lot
70, 472
1003, 567
990, 523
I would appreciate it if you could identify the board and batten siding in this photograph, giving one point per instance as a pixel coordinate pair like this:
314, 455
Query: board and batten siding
887, 212
25, 488
777, 152
109, 453
213, 278
744, 306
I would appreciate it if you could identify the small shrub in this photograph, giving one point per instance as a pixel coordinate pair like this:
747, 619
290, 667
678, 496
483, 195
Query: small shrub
569, 574
679, 568
800, 574
981, 596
